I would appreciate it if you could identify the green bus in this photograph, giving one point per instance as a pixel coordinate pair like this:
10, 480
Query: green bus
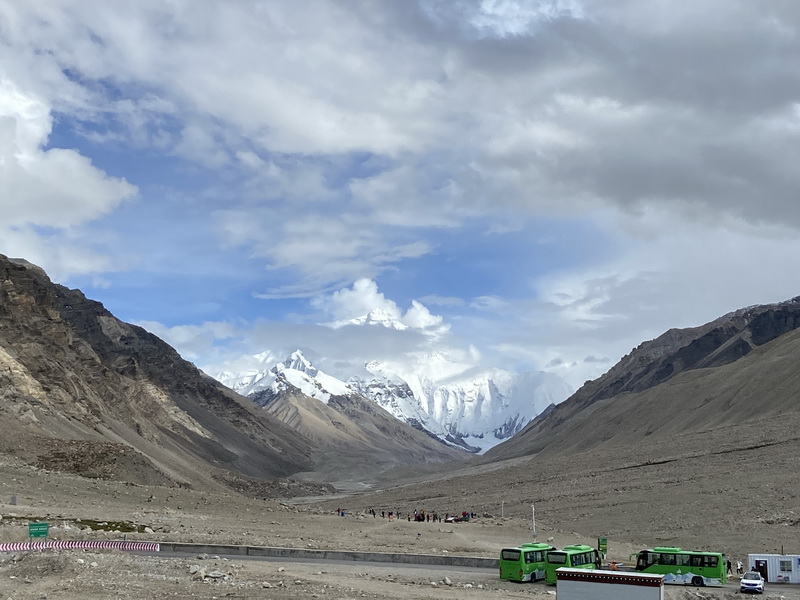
525, 563
576, 557
686, 567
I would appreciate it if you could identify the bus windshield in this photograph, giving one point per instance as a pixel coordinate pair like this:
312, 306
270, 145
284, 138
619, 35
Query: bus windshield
510, 554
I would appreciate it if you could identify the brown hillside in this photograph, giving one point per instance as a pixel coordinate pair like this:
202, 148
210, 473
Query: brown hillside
128, 404
358, 439
743, 364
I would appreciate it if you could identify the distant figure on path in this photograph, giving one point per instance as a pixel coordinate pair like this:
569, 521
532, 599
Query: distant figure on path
729, 568
739, 567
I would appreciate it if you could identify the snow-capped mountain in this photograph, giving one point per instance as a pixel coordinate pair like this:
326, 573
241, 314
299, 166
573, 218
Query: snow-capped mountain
459, 403
465, 405
296, 373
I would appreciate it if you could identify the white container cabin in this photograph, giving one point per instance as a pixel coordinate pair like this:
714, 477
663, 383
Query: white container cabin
775, 568
589, 584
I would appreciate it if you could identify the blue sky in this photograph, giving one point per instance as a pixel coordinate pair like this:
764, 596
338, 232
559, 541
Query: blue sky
537, 185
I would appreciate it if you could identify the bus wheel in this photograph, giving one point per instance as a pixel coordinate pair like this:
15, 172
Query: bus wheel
698, 581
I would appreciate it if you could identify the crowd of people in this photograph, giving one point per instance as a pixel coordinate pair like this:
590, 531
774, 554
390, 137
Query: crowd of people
419, 516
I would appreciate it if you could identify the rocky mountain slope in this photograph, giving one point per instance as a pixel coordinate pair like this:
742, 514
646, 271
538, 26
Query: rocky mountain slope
738, 367
362, 440
81, 390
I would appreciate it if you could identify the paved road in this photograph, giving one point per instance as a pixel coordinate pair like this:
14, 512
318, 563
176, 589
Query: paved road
310, 561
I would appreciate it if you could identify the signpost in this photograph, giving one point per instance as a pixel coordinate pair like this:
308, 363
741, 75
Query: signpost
36, 530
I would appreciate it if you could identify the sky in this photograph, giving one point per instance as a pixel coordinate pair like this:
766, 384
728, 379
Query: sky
538, 185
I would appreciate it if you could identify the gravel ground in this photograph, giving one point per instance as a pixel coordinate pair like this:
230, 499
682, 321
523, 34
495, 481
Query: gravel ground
573, 506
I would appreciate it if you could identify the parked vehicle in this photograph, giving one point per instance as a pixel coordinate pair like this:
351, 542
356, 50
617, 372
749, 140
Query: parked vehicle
752, 582
684, 567
526, 563
576, 557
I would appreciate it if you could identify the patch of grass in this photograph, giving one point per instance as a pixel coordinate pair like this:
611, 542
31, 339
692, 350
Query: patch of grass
121, 526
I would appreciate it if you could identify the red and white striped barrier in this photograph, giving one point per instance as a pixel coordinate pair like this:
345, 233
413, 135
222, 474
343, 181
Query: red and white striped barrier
79, 544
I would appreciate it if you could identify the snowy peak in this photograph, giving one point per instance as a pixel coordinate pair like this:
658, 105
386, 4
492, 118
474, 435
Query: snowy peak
297, 362
295, 373
461, 403
378, 316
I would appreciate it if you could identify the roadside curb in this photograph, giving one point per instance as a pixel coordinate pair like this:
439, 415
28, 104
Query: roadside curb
264, 551
388, 557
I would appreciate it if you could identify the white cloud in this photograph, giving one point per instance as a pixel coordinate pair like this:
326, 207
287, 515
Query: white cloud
194, 342
356, 301
55, 187
672, 274
419, 317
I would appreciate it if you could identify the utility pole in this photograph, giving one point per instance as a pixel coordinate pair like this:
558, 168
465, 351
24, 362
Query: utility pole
502, 513
533, 521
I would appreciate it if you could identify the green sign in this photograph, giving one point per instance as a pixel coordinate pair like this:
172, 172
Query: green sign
602, 545
38, 529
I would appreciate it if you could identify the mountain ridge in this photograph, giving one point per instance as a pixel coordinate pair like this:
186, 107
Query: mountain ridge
69, 369
666, 362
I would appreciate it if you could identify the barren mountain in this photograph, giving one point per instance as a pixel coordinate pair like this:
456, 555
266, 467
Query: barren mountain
361, 439
742, 365
82, 391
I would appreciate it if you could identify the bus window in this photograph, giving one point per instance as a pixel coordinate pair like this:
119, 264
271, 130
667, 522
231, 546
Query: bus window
510, 554
684, 567
645, 559
557, 558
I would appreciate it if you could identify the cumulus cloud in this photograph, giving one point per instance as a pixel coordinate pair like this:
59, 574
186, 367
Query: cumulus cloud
363, 298
357, 301
47, 194
54, 187
195, 341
